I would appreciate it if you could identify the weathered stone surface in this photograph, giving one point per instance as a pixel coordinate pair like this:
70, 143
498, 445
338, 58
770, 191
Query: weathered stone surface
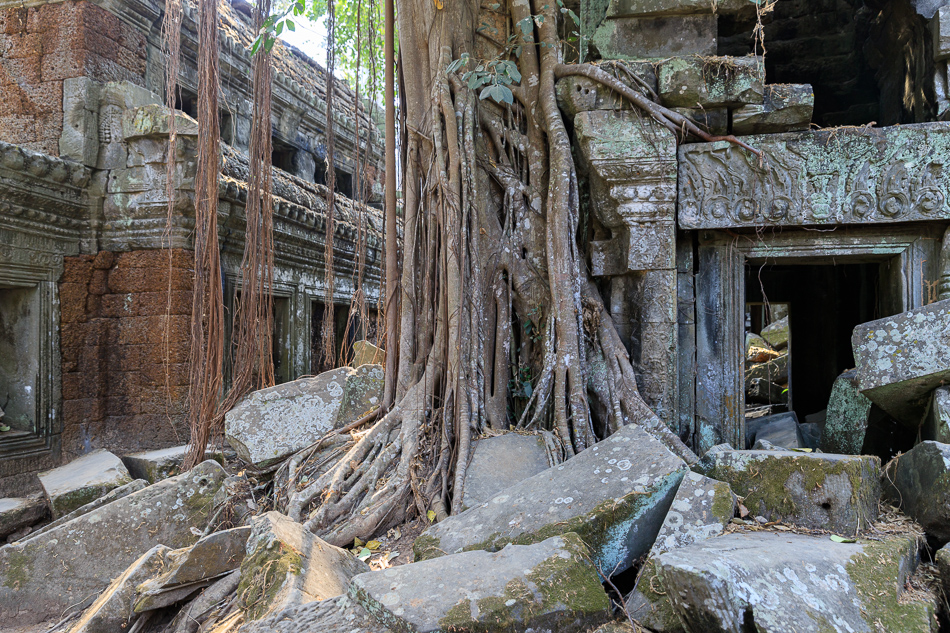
288, 565
775, 370
18, 513
112, 495
777, 582
154, 466
552, 584
936, 424
639, 38
333, 615
811, 435
846, 421
212, 556
110, 612
919, 482
272, 423
781, 430
615, 495
833, 492
701, 509
776, 333
942, 558
784, 108
365, 353
765, 445
901, 359
711, 82
580, 94
634, 8
187, 620
42, 576
713, 120
500, 461
817, 178
765, 392
83, 480
941, 32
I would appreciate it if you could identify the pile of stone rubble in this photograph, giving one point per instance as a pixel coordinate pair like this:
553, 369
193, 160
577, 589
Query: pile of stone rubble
621, 536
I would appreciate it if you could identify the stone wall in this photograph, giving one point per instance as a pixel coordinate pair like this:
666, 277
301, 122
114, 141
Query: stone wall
113, 319
40, 47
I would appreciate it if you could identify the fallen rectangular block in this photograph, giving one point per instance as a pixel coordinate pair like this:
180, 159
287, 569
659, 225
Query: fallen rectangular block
43, 576
161, 464
936, 425
846, 420
940, 24
641, 38
83, 480
551, 585
615, 495
711, 82
902, 358
816, 490
775, 582
500, 461
919, 483
784, 108
333, 615
18, 513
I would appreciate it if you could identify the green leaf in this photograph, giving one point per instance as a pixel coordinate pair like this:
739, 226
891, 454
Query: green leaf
430, 514
495, 7
527, 390
526, 26
574, 17
485, 93
256, 45
841, 539
514, 73
291, 25
364, 554
280, 28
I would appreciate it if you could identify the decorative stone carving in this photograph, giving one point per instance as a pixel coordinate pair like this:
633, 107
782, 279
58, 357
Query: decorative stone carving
857, 176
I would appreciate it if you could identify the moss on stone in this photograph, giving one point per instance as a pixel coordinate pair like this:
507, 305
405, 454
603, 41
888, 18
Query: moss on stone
650, 586
426, 547
723, 505
880, 592
16, 573
263, 574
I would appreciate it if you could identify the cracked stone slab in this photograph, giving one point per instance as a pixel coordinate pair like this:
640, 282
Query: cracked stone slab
43, 576
902, 358
839, 493
83, 480
161, 464
333, 615
784, 108
500, 461
711, 82
615, 495
919, 482
936, 424
19, 512
548, 585
773, 582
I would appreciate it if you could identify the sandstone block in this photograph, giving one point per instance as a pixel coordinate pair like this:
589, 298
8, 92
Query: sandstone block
780, 429
83, 480
919, 482
941, 33
18, 513
333, 615
775, 582
785, 108
901, 359
936, 424
112, 495
43, 576
713, 120
580, 94
832, 492
161, 464
640, 38
634, 8
287, 565
615, 495
776, 333
365, 353
775, 370
551, 585
362, 392
711, 82
500, 461
846, 421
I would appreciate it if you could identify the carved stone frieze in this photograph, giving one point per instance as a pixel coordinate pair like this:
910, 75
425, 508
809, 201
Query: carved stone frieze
841, 176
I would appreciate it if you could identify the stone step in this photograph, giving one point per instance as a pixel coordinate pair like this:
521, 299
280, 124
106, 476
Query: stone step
83, 480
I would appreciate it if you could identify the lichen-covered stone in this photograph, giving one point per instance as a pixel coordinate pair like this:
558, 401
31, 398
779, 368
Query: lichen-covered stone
161, 464
550, 585
42, 576
272, 423
288, 565
701, 509
643, 37
113, 495
634, 8
936, 424
919, 482
902, 358
713, 120
774, 582
711, 82
846, 421
110, 612
18, 513
83, 480
580, 94
334, 615
942, 558
775, 369
776, 333
784, 108
615, 495
501, 461
832, 492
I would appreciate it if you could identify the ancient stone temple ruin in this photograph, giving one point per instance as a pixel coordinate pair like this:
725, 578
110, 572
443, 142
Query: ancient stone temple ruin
91, 276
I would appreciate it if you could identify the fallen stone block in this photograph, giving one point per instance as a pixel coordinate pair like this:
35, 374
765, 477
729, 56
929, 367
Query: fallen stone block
635, 8
82, 480
711, 82
811, 435
43, 576
272, 423
701, 509
500, 461
161, 464
190, 618
333, 615
919, 483
776, 333
110, 612
765, 445
579, 94
615, 495
936, 424
774, 582
288, 565
211, 557
941, 33
552, 585
18, 513
713, 120
901, 359
365, 353
784, 108
116, 493
832, 492
774, 370
846, 420
766, 392
639, 38
780, 429
942, 558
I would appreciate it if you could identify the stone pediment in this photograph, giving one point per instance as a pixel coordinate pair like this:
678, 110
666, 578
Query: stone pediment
818, 178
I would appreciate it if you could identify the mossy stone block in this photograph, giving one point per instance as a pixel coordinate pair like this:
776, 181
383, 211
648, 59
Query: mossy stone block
919, 482
83, 480
710, 82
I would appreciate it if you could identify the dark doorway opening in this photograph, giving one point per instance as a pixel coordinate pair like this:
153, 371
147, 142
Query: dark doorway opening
318, 361
19, 361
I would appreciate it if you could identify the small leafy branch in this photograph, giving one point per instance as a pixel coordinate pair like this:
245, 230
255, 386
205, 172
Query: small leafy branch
493, 77
274, 25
